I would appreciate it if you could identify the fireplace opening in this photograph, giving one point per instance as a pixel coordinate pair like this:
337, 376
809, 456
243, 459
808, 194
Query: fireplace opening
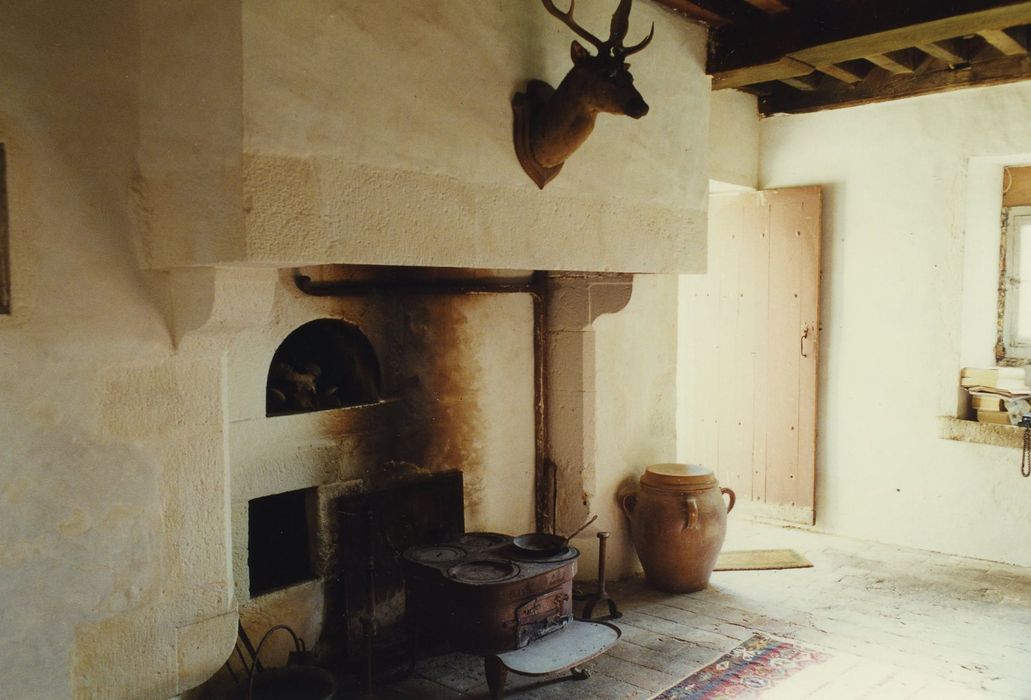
280, 550
324, 364
373, 531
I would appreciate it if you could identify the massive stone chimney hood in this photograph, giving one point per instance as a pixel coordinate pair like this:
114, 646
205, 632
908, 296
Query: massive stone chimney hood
279, 138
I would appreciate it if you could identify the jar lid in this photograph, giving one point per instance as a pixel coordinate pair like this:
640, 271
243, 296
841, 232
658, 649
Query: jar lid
691, 476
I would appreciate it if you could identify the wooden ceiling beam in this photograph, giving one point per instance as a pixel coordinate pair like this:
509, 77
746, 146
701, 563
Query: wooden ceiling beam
1004, 69
834, 32
733, 10
845, 75
807, 83
759, 89
778, 70
946, 51
770, 7
694, 11
893, 63
1003, 42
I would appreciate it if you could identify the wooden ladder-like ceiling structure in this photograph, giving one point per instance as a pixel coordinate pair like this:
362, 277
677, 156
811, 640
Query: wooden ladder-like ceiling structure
808, 55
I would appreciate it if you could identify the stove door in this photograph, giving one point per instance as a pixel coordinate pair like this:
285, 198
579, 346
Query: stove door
544, 614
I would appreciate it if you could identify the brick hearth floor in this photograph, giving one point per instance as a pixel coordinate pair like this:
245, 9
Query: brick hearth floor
963, 621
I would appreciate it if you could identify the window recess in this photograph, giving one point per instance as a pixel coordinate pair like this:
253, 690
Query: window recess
1013, 346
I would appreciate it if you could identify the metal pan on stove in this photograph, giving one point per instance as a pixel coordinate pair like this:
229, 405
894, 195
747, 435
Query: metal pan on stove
543, 544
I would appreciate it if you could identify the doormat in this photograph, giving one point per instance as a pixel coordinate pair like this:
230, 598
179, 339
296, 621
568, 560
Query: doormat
761, 559
776, 669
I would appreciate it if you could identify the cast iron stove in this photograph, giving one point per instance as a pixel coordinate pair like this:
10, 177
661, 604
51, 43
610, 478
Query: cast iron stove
482, 596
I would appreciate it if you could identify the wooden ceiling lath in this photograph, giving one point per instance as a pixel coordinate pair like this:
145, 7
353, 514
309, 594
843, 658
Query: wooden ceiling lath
805, 55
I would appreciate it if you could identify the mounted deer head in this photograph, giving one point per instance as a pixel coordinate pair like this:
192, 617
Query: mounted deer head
550, 124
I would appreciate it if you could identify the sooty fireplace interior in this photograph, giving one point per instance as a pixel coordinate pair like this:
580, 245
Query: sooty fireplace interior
281, 549
374, 529
326, 363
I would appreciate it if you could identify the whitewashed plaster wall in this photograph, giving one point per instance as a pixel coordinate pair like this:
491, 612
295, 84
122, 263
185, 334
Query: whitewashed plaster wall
905, 218
733, 166
106, 433
733, 140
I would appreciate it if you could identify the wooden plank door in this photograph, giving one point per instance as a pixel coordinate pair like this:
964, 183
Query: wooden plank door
752, 342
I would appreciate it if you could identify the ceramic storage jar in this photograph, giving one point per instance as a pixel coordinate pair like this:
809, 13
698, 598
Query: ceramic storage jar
678, 520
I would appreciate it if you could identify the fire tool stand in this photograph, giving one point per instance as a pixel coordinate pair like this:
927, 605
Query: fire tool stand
602, 595
566, 650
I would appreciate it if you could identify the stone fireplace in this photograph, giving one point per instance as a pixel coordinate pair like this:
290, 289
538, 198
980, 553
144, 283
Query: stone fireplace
486, 372
361, 379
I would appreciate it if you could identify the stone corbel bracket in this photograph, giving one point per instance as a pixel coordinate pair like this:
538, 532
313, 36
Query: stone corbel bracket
575, 302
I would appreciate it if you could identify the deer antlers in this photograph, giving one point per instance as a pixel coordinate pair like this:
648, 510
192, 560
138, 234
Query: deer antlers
567, 19
617, 30
549, 124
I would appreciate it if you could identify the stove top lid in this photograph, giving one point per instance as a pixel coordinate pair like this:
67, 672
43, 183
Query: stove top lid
436, 554
483, 540
484, 571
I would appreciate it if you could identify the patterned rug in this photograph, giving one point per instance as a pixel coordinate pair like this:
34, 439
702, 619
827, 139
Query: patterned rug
746, 671
774, 669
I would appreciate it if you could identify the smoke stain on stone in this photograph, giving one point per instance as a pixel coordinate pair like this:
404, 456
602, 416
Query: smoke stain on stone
442, 415
430, 414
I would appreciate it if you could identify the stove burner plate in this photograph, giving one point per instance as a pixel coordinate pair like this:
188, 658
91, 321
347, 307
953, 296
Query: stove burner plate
484, 571
437, 554
483, 540
518, 555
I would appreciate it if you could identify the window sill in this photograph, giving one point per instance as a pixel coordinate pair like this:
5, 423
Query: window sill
951, 428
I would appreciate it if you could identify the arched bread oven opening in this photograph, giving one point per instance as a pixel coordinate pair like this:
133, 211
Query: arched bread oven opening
323, 364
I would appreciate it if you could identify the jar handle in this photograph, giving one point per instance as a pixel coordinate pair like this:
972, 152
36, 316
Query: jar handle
692, 513
627, 502
733, 498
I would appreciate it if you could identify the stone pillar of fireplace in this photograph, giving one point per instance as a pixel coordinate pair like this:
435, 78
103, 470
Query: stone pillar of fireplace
576, 300
610, 399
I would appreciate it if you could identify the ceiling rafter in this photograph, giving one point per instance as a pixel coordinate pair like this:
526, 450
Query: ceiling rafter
800, 55
839, 72
733, 11
886, 86
777, 70
1003, 42
830, 33
694, 11
806, 83
948, 51
897, 62
770, 7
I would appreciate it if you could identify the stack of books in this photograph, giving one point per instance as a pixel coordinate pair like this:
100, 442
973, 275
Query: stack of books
997, 394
